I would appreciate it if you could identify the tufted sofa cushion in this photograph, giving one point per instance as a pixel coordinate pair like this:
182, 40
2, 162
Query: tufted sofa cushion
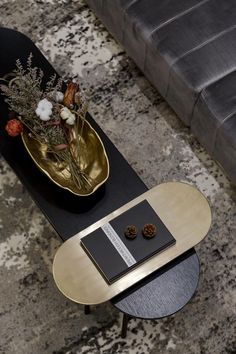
187, 49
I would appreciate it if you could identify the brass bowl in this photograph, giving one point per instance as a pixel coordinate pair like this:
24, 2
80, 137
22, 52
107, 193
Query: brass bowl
93, 161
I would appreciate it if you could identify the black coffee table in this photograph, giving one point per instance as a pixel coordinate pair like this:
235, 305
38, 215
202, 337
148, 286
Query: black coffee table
161, 294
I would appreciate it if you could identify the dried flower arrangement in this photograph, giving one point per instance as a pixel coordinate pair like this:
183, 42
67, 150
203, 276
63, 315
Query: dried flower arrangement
51, 117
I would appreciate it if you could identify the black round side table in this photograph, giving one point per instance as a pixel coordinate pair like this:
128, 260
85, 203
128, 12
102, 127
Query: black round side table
161, 294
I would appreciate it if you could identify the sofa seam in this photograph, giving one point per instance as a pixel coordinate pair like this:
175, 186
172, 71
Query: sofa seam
219, 124
179, 15
124, 13
130, 4
204, 43
219, 127
211, 83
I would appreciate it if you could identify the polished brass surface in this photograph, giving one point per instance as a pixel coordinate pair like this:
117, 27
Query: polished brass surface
184, 211
92, 159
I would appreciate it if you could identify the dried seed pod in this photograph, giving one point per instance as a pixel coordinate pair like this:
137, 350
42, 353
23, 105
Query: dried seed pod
69, 95
131, 231
149, 230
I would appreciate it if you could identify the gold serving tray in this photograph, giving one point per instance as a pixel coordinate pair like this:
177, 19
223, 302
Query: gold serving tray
182, 208
93, 161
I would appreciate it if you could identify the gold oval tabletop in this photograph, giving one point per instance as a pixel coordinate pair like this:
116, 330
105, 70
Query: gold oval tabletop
182, 208
92, 160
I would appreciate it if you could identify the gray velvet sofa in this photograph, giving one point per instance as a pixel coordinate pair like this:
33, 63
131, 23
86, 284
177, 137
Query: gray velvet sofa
187, 49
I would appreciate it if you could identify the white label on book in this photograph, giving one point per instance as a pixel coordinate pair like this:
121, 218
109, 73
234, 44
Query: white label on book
119, 245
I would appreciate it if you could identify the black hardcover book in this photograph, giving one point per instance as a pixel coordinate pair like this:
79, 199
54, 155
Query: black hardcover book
114, 254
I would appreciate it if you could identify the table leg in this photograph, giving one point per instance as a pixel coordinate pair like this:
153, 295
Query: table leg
86, 309
125, 321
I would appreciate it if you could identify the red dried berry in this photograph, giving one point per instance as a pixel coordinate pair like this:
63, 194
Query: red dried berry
14, 127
